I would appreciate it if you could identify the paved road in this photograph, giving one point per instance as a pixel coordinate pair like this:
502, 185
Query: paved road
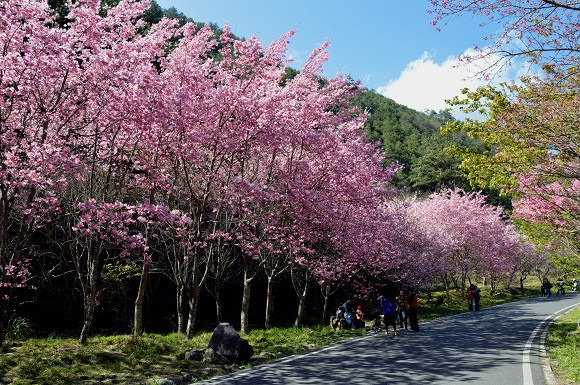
487, 347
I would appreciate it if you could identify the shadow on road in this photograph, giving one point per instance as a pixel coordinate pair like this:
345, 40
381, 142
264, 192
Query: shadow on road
461, 348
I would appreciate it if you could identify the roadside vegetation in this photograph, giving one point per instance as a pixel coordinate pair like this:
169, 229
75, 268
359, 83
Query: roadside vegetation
440, 306
153, 358
563, 345
148, 359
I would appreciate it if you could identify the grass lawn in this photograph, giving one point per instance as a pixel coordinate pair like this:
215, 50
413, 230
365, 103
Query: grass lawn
563, 347
440, 306
147, 360
153, 357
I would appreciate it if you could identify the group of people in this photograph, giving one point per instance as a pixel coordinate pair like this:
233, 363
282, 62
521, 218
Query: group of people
547, 287
473, 297
401, 309
347, 317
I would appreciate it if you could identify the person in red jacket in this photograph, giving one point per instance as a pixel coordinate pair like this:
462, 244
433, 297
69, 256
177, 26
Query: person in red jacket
470, 296
413, 302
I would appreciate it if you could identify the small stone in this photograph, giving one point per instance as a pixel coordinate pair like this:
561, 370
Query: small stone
194, 354
256, 362
111, 355
6, 380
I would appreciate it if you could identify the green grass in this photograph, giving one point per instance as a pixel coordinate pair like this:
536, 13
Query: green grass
59, 361
563, 345
152, 357
440, 306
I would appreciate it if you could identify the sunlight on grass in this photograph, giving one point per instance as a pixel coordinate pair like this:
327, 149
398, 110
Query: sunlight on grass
563, 345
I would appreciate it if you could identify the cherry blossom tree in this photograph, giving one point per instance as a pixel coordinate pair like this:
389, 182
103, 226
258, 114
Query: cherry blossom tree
468, 236
543, 31
71, 102
39, 97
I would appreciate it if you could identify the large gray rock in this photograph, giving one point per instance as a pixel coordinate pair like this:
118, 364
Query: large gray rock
226, 342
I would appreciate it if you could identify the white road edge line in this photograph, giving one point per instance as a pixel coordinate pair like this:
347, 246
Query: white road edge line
526, 359
544, 360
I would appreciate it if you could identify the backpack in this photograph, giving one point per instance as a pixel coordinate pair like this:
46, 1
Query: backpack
389, 306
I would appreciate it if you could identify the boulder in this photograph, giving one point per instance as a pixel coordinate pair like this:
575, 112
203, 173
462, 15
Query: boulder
227, 343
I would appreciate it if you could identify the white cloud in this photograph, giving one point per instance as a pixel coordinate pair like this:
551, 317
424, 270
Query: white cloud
425, 84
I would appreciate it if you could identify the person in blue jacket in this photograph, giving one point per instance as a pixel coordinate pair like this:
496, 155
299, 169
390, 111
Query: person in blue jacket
348, 314
389, 306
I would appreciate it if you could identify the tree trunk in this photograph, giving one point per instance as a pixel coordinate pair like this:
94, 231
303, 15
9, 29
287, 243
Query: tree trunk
138, 324
244, 315
269, 303
180, 311
218, 307
90, 303
325, 308
302, 302
193, 301
455, 282
522, 279
2, 333
90, 291
446, 284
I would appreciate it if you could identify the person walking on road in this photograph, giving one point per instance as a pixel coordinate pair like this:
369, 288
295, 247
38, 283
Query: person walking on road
413, 301
389, 306
402, 309
560, 284
547, 287
574, 285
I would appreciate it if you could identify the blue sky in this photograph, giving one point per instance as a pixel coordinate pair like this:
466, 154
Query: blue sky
389, 45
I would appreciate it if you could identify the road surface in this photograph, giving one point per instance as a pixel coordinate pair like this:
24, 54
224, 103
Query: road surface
494, 346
